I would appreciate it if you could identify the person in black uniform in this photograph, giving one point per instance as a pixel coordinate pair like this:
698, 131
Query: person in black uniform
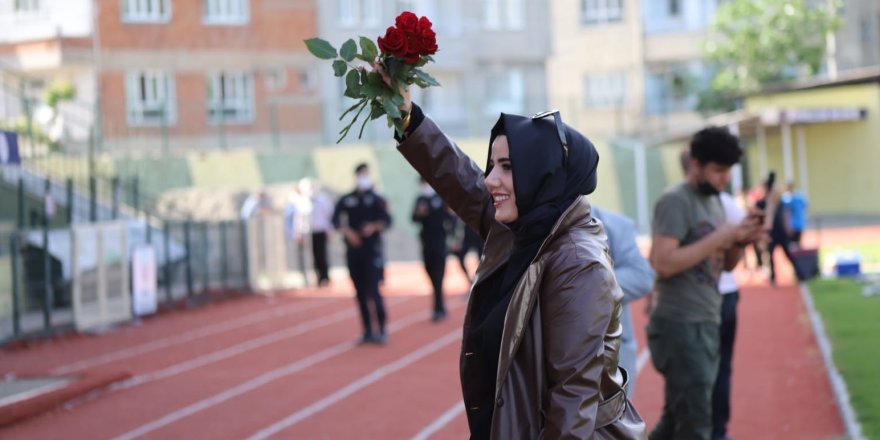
463, 240
431, 212
361, 216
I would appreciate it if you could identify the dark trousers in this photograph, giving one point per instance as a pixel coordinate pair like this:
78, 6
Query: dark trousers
783, 242
721, 393
686, 354
365, 271
319, 252
471, 241
435, 265
796, 237
759, 259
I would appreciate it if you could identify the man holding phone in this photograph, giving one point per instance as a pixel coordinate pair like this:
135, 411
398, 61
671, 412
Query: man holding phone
692, 244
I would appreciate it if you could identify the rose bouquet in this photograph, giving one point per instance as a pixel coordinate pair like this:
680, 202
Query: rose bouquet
401, 53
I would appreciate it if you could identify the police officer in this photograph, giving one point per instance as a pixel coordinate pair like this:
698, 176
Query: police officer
431, 212
463, 240
361, 216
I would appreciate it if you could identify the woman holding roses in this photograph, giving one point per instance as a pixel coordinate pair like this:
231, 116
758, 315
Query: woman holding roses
542, 329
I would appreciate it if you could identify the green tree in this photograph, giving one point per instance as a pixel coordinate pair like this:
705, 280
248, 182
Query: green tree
758, 42
59, 91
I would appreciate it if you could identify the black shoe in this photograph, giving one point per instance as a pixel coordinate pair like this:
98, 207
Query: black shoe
365, 339
438, 316
382, 339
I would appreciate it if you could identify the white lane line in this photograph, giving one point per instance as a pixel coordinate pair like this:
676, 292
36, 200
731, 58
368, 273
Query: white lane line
237, 349
189, 336
642, 360
441, 421
457, 409
263, 379
357, 385
841, 394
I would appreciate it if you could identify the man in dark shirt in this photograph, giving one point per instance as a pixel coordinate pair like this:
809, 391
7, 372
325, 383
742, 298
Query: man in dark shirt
361, 216
432, 214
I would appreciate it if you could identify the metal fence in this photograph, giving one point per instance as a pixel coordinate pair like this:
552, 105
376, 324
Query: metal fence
195, 262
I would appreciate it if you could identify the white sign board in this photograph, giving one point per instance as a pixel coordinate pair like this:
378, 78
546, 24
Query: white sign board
143, 282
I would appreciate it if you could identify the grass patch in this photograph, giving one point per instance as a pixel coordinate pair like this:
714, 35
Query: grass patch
869, 252
852, 321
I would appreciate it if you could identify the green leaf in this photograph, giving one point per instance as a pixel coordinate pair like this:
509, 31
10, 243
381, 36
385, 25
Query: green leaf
348, 50
369, 51
398, 125
353, 84
320, 48
390, 107
397, 100
377, 111
395, 69
374, 86
428, 79
339, 67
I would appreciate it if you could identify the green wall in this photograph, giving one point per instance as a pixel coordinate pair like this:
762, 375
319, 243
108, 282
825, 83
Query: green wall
842, 157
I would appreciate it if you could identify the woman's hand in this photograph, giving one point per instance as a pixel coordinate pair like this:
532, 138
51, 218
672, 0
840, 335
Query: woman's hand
403, 89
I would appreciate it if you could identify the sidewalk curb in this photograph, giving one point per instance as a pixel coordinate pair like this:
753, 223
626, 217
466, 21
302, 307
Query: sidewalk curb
847, 413
85, 383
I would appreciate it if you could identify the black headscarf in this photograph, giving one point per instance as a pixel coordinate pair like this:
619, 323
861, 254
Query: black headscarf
545, 181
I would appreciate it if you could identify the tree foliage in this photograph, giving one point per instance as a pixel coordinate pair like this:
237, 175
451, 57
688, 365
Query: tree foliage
759, 42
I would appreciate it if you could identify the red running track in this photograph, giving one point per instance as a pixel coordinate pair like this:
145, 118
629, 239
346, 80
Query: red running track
286, 367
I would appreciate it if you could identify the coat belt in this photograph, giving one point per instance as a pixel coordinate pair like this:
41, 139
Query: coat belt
611, 409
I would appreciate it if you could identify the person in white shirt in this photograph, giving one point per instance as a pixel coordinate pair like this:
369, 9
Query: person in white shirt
320, 222
729, 290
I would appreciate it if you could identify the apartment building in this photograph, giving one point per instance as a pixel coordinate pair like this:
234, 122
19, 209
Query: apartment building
491, 58
628, 67
181, 74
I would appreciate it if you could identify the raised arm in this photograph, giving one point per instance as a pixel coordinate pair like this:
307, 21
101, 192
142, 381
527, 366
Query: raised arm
455, 177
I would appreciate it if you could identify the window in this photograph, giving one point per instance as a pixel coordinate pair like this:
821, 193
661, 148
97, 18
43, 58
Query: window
150, 98
446, 104
673, 7
27, 7
505, 92
231, 97
673, 88
604, 91
276, 79
308, 79
595, 12
225, 12
365, 13
146, 11
407, 5
503, 14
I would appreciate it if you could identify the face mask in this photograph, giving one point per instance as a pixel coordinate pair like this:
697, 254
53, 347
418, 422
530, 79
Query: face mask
706, 189
427, 191
364, 182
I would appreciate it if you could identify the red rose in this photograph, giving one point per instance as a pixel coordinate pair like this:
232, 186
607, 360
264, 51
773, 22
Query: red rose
425, 42
407, 22
411, 57
393, 43
424, 23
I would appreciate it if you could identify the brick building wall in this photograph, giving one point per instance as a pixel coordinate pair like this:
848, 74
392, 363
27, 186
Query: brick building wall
182, 52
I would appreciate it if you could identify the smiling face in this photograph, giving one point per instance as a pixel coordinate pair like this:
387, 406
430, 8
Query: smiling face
499, 182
